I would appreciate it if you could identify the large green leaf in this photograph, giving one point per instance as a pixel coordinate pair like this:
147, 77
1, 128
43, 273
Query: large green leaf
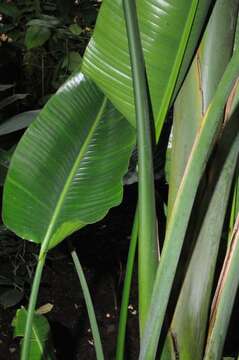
41, 346
67, 169
165, 28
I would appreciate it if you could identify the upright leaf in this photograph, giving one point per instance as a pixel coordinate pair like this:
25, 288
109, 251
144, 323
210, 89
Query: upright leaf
180, 216
200, 86
188, 327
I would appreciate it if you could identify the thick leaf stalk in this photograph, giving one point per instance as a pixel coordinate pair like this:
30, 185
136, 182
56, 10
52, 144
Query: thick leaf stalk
26, 345
148, 243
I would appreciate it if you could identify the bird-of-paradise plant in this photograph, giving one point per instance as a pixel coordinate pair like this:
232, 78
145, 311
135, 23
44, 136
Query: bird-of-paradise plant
67, 169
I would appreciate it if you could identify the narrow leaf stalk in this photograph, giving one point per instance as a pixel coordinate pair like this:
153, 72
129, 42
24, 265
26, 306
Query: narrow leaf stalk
89, 306
148, 247
32, 305
120, 348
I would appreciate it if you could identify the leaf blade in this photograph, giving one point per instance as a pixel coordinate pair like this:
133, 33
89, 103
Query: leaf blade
86, 169
112, 73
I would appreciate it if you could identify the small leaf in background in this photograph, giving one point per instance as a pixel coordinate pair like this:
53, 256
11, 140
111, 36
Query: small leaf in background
12, 99
18, 122
75, 29
36, 36
9, 10
11, 298
44, 309
54, 21
45, 21
4, 87
41, 347
72, 61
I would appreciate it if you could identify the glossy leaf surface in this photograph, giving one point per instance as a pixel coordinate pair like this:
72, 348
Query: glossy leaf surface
165, 27
67, 169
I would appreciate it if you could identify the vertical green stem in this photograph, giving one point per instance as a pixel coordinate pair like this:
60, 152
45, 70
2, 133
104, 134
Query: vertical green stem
89, 305
148, 247
32, 304
120, 348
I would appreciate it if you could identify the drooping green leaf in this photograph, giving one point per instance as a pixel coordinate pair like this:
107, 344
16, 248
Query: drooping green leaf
18, 122
41, 346
36, 36
67, 169
165, 28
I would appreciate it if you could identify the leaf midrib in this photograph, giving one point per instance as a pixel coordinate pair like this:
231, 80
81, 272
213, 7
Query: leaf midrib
48, 235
